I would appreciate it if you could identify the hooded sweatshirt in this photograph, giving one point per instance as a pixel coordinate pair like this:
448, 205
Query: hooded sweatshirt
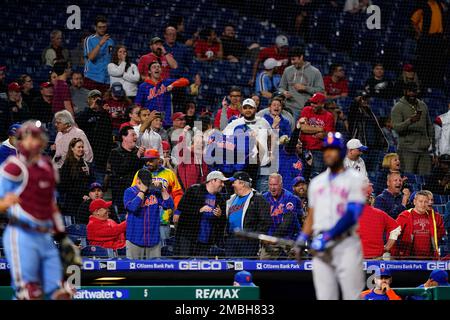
413, 136
309, 76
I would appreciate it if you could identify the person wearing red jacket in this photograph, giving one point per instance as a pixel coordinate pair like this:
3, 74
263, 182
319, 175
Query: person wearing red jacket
376, 225
102, 231
315, 123
421, 230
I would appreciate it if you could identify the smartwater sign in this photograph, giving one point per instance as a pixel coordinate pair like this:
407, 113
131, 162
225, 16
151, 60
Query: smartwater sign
157, 293
101, 294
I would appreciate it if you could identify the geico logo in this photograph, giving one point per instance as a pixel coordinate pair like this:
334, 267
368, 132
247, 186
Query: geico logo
437, 265
307, 265
200, 265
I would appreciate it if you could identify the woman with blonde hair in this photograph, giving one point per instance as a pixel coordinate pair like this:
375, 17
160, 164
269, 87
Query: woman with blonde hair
391, 163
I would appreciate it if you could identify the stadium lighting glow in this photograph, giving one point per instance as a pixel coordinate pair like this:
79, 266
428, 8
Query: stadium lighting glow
110, 279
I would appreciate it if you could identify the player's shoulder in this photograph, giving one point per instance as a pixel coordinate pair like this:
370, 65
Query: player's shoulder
365, 293
13, 169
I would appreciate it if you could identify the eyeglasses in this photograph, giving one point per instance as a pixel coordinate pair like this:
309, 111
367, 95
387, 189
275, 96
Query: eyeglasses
235, 96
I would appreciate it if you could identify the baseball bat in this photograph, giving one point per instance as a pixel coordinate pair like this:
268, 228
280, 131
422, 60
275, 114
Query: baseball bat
263, 237
276, 240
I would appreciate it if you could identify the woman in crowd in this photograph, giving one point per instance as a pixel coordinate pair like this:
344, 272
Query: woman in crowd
75, 178
122, 70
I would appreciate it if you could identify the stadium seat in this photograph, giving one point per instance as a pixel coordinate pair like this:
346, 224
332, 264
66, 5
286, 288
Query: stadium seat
97, 252
77, 230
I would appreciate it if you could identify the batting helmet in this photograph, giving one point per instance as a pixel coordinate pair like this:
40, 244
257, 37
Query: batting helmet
335, 140
31, 128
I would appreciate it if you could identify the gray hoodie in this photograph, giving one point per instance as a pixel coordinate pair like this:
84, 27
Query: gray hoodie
309, 76
413, 137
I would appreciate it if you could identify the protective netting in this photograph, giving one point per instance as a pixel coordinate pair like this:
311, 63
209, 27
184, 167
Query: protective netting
173, 81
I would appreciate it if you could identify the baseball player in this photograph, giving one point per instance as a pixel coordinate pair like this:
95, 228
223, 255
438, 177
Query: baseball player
27, 193
336, 199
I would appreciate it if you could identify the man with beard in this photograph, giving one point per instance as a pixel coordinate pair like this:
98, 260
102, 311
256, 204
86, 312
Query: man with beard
412, 122
160, 55
364, 126
300, 188
336, 201
259, 129
155, 92
97, 53
393, 200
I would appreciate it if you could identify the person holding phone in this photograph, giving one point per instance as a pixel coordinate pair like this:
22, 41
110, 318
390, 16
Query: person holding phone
143, 203
411, 120
98, 49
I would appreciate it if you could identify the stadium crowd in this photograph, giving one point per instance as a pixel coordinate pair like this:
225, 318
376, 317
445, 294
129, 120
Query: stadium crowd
181, 179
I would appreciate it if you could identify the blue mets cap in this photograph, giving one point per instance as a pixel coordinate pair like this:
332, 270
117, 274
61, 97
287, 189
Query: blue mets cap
95, 185
13, 129
298, 180
382, 272
440, 276
244, 278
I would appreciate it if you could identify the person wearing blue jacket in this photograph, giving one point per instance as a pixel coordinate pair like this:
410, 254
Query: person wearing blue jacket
8, 147
143, 202
286, 212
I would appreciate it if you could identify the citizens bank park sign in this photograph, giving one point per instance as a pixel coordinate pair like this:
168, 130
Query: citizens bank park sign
249, 265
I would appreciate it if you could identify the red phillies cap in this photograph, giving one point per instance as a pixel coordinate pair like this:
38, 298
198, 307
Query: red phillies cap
151, 154
408, 67
46, 85
318, 98
14, 86
99, 204
178, 115
165, 146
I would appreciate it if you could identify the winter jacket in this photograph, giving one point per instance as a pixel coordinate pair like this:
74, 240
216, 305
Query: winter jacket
255, 214
98, 128
106, 233
144, 216
189, 211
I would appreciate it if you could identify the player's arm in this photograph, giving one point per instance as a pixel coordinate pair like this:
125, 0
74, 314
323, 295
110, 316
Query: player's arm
7, 201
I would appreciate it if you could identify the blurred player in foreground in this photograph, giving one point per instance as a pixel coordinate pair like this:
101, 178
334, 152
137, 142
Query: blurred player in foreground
382, 290
336, 199
27, 193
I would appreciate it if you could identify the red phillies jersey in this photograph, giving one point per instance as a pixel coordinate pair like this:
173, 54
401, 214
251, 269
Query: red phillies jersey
374, 228
323, 119
335, 88
38, 182
202, 46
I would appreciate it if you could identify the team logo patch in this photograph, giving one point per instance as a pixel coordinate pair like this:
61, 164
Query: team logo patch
290, 206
